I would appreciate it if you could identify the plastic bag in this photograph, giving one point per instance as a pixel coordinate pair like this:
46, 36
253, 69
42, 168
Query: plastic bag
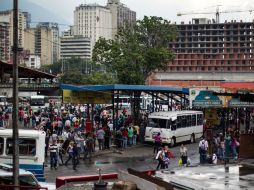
180, 162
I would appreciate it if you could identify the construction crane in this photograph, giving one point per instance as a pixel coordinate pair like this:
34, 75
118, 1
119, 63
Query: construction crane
217, 12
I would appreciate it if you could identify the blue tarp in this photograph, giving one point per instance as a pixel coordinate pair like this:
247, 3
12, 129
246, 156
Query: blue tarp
113, 87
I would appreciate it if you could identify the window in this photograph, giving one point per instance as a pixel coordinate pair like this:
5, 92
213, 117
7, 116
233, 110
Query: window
193, 120
179, 122
162, 123
153, 122
188, 120
200, 119
1, 146
184, 121
173, 125
27, 147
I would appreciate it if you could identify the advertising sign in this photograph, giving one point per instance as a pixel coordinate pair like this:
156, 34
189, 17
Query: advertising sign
85, 97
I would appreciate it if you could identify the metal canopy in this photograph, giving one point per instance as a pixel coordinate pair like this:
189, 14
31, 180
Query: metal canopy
125, 87
24, 72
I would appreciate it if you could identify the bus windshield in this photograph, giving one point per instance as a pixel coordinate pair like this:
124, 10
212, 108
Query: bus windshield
37, 102
158, 123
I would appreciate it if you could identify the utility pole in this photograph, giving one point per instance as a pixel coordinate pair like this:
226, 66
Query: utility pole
15, 132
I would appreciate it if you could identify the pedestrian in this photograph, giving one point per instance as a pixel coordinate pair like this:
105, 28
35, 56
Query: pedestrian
159, 157
53, 148
70, 153
130, 135
60, 151
75, 156
157, 143
183, 154
88, 147
203, 147
100, 137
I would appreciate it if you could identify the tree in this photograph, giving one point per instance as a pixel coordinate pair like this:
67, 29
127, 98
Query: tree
137, 51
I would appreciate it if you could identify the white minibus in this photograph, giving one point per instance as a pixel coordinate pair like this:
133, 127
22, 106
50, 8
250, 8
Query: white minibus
37, 102
31, 150
175, 126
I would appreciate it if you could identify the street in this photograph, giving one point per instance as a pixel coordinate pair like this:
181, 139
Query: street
139, 157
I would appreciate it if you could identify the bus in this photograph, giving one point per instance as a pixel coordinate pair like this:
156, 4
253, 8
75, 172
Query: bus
37, 102
31, 150
175, 126
3, 101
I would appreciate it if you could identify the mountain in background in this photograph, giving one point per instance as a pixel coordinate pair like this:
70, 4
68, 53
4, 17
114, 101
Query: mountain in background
38, 13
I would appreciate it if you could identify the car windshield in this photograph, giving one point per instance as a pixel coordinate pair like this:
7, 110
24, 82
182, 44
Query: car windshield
24, 180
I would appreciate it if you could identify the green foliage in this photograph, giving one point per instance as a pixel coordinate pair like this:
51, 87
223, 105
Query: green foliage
137, 51
80, 72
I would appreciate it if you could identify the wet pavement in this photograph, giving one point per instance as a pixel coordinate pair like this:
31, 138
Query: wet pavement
212, 177
140, 157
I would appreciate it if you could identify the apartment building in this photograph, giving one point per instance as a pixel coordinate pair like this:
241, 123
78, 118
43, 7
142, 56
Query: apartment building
95, 21
37, 41
43, 40
7, 18
5, 50
121, 14
75, 46
207, 53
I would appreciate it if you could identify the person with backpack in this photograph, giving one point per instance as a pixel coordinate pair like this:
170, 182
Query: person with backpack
203, 147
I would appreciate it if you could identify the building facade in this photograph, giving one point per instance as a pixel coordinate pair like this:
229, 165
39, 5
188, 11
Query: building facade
5, 49
33, 61
75, 46
37, 41
93, 21
207, 53
7, 17
55, 38
121, 14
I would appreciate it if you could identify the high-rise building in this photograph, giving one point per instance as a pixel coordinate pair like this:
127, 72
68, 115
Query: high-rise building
38, 42
55, 40
121, 14
93, 21
5, 49
43, 40
75, 46
28, 19
207, 53
7, 17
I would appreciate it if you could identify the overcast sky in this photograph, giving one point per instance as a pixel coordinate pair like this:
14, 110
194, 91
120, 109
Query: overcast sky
164, 8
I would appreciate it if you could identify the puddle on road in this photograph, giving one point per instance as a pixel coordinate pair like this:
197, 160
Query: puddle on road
119, 161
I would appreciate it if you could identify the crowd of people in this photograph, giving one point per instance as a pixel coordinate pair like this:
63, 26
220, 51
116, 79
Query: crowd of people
220, 147
70, 131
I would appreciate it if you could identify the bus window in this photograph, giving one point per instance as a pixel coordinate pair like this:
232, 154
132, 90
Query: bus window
1, 145
184, 121
173, 125
26, 147
162, 123
153, 122
179, 122
193, 120
188, 120
200, 119
169, 123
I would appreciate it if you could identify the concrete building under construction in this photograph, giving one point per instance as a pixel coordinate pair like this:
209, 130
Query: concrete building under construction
207, 53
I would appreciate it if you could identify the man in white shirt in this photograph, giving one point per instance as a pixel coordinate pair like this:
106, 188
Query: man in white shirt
203, 147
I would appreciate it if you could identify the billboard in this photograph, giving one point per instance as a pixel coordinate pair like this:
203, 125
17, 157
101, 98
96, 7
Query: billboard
86, 97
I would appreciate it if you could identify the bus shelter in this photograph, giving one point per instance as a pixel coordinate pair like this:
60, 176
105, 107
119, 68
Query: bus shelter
109, 94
